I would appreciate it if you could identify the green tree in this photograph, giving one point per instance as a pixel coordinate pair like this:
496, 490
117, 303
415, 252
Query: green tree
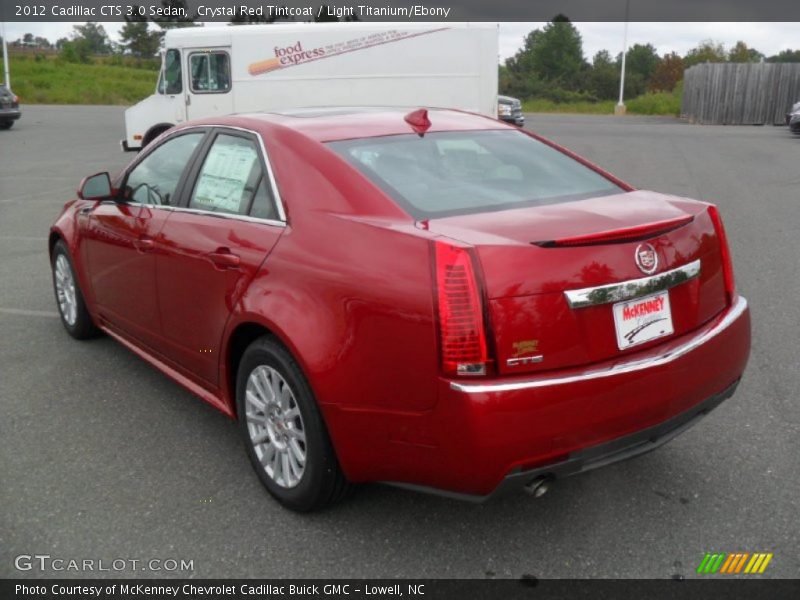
741, 53
557, 54
549, 62
706, 51
785, 56
603, 77
93, 36
642, 60
76, 51
137, 38
667, 74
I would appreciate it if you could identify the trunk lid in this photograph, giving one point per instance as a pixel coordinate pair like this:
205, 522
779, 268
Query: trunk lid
530, 257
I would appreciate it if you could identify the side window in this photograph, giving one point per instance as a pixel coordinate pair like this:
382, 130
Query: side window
211, 72
153, 181
170, 81
231, 180
263, 204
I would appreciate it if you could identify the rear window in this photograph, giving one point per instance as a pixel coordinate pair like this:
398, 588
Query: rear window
461, 172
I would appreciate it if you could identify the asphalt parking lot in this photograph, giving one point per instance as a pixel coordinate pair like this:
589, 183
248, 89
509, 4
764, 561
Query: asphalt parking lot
102, 457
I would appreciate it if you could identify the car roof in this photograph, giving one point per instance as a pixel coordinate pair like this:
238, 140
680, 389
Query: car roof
340, 123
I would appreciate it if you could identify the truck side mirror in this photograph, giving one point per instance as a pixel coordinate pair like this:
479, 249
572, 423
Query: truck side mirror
95, 187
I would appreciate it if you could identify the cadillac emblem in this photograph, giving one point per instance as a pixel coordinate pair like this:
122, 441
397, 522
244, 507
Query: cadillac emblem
646, 259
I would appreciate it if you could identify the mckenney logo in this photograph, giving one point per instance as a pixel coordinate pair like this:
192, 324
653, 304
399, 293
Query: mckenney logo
644, 308
736, 562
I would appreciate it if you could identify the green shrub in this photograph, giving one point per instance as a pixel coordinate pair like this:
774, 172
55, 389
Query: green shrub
656, 103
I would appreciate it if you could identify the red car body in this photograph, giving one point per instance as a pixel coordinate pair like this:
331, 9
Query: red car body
349, 284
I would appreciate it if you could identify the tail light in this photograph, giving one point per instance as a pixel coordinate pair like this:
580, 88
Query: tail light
462, 331
727, 263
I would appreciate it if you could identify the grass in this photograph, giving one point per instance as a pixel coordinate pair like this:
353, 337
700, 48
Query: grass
661, 103
48, 80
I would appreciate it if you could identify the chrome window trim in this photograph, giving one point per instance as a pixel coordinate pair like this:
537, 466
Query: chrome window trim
631, 366
235, 217
633, 288
272, 181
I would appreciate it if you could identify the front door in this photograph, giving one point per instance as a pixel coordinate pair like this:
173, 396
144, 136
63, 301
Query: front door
122, 236
209, 82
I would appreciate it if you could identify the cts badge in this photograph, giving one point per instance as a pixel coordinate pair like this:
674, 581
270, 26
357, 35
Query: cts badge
646, 259
524, 360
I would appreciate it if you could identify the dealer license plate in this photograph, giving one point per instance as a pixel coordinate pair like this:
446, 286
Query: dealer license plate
642, 320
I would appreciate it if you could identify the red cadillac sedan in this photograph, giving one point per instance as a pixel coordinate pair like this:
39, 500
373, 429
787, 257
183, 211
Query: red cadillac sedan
433, 299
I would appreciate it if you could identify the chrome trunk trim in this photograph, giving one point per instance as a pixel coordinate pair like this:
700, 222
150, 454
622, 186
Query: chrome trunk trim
633, 288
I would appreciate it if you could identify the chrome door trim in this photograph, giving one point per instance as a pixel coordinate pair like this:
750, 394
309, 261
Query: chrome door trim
734, 313
633, 288
221, 215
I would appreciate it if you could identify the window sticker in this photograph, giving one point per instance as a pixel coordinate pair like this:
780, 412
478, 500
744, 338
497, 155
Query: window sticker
224, 177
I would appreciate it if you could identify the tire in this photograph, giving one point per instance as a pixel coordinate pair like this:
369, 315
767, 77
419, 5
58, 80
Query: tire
296, 429
69, 298
6, 124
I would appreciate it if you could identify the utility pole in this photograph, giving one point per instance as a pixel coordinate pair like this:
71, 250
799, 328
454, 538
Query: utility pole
620, 109
6, 76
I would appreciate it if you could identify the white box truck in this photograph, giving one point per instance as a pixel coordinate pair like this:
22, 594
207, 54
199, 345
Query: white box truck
222, 70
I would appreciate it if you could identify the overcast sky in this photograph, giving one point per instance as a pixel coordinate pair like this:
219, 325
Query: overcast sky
769, 38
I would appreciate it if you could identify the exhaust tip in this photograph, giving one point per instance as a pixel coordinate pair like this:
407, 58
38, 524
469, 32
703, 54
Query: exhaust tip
539, 486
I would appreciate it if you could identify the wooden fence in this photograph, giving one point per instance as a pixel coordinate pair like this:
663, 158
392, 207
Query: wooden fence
740, 93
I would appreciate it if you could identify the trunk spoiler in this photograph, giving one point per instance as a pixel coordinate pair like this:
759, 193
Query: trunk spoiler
625, 234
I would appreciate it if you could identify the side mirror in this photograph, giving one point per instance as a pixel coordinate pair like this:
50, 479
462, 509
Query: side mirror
95, 187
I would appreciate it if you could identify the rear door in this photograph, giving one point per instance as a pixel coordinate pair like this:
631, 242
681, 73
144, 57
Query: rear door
213, 246
209, 82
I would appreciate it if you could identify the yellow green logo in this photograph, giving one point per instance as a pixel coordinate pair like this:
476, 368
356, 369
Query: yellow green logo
736, 562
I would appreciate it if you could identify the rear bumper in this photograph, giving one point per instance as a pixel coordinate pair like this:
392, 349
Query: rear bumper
601, 455
493, 434
9, 114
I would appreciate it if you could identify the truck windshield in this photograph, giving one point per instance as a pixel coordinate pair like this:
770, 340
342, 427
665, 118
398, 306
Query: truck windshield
461, 172
170, 80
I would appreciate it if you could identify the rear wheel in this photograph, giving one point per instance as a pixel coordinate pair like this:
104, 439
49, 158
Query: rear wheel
6, 124
285, 436
71, 307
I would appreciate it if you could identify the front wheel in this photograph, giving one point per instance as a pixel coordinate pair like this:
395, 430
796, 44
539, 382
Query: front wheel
71, 307
285, 436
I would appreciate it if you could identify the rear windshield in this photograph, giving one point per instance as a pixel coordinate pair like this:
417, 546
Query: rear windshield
461, 172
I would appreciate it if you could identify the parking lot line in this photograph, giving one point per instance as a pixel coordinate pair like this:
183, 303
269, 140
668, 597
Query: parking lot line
28, 313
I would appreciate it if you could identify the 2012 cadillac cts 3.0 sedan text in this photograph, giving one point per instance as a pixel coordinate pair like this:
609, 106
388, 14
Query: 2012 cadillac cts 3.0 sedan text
434, 299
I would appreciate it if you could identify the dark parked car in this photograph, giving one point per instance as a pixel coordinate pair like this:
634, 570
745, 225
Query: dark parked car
9, 107
433, 299
510, 110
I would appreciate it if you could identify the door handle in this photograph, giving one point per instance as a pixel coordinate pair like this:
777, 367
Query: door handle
144, 244
224, 259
